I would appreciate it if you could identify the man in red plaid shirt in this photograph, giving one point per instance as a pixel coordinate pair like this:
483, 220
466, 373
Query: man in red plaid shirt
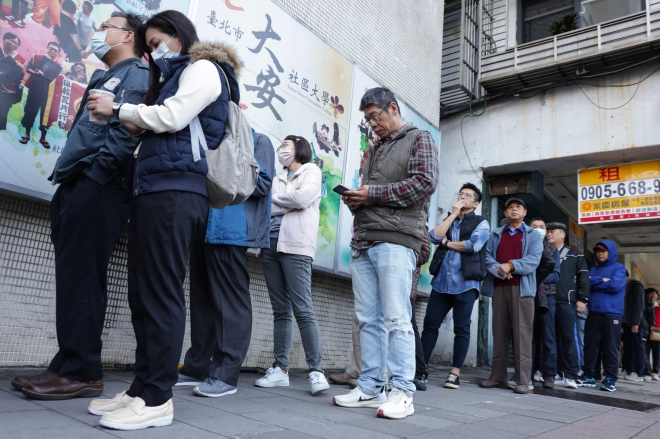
390, 215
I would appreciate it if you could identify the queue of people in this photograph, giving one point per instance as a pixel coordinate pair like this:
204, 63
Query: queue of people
149, 151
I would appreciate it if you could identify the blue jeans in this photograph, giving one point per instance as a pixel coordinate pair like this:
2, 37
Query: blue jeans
382, 278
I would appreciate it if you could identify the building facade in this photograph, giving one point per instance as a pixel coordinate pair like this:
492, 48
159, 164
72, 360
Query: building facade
560, 86
379, 41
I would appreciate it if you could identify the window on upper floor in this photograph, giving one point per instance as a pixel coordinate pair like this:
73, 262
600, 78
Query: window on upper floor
537, 16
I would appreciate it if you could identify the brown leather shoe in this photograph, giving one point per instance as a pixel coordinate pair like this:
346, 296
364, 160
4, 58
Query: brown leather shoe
339, 378
58, 388
352, 383
549, 382
521, 389
19, 382
492, 384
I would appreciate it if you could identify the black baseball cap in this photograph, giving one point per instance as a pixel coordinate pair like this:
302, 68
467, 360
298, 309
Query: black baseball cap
556, 225
515, 200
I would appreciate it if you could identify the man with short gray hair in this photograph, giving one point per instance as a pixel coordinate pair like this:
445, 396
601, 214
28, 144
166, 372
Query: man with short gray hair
391, 211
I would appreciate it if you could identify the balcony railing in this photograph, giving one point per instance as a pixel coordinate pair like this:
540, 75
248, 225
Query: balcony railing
573, 53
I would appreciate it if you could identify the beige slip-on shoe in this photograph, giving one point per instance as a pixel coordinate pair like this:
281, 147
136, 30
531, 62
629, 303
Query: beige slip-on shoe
137, 416
102, 406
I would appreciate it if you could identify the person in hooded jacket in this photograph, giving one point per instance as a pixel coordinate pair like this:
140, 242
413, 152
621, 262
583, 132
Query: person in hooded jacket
220, 305
652, 317
294, 226
603, 325
169, 208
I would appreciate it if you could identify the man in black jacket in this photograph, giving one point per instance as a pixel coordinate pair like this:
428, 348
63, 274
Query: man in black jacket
572, 294
633, 345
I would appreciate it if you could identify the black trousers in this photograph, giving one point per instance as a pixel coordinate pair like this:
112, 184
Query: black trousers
220, 312
162, 229
439, 306
633, 351
652, 350
605, 331
567, 343
420, 364
6, 102
19, 8
86, 222
35, 104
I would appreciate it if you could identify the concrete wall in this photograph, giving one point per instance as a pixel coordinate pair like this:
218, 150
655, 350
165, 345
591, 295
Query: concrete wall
398, 43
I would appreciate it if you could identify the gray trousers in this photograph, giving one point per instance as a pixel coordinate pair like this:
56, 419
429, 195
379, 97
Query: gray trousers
289, 282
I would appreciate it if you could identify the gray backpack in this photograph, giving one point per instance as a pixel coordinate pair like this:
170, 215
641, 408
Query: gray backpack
233, 171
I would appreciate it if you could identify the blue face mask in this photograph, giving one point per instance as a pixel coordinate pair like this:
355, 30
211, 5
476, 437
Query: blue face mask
99, 46
163, 51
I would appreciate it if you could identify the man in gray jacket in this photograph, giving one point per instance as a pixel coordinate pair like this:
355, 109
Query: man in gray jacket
88, 214
512, 254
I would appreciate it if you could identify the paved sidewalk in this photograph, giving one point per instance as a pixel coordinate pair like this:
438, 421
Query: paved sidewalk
292, 412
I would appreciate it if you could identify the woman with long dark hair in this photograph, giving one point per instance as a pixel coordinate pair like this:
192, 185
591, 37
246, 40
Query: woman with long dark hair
187, 98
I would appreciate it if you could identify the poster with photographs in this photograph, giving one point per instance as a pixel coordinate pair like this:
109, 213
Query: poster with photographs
45, 63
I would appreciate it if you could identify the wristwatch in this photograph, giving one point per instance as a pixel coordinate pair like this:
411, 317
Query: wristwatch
115, 110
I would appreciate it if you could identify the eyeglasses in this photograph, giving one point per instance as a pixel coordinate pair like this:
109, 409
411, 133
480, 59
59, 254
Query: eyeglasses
465, 194
105, 25
374, 119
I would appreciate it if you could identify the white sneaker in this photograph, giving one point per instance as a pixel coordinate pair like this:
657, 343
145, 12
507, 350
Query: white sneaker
318, 382
398, 405
623, 374
356, 398
538, 377
570, 384
655, 377
102, 406
137, 416
647, 378
275, 377
634, 377
559, 379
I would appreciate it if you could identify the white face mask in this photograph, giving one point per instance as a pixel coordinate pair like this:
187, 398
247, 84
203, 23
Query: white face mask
541, 231
99, 46
164, 51
285, 156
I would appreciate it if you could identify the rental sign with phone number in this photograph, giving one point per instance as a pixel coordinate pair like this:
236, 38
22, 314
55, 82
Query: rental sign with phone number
619, 193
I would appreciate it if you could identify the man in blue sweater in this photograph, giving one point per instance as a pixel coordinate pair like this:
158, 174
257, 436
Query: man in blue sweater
603, 325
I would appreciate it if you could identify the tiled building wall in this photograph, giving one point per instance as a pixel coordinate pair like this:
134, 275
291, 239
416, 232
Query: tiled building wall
397, 42
27, 301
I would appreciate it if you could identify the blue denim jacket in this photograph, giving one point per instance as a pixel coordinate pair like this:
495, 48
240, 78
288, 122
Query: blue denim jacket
450, 276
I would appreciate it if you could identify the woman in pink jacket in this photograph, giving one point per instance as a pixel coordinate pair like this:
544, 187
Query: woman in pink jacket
287, 264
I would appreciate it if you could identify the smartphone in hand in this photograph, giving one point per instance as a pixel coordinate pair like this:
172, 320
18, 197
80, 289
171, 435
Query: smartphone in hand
340, 189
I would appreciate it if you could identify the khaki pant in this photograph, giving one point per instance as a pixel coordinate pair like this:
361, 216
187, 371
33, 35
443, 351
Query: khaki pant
513, 317
355, 366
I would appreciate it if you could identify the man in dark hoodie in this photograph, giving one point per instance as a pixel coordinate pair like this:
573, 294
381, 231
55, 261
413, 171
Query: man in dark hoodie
633, 315
603, 326
88, 215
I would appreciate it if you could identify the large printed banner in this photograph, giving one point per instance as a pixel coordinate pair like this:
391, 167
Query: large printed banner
292, 83
36, 111
619, 193
360, 138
